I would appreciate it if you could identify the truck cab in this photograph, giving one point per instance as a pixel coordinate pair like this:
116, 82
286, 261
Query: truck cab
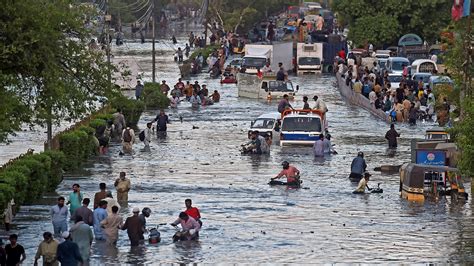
253, 62
309, 58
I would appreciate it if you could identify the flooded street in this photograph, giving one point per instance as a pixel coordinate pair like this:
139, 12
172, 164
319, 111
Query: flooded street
247, 221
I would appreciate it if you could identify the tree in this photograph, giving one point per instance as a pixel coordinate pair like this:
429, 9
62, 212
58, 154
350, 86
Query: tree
458, 58
423, 17
47, 69
376, 30
240, 16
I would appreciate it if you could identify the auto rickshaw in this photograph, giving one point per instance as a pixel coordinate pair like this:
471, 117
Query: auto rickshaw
418, 182
437, 134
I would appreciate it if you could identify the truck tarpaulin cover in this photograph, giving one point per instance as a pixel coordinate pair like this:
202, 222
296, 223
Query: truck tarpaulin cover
259, 51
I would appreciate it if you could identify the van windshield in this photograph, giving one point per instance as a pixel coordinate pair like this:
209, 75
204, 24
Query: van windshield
302, 124
263, 123
254, 62
277, 85
398, 65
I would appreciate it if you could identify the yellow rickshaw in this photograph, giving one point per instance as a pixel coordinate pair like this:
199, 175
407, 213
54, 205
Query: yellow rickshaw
418, 182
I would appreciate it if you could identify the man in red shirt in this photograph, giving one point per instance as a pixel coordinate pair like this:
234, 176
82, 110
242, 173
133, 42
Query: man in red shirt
192, 211
342, 54
291, 173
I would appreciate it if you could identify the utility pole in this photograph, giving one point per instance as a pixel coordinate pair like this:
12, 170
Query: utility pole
108, 19
153, 66
206, 7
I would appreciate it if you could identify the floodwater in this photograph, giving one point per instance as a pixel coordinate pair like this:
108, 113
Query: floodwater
245, 220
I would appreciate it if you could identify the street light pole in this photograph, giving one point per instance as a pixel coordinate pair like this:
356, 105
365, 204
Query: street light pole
107, 19
153, 42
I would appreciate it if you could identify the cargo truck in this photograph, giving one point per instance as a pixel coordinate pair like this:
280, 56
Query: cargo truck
257, 55
309, 58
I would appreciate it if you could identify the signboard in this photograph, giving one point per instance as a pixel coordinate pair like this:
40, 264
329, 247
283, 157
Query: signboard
431, 157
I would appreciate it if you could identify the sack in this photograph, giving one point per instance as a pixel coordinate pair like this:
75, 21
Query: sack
141, 136
127, 137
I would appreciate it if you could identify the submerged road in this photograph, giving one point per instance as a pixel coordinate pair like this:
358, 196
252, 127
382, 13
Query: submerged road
245, 220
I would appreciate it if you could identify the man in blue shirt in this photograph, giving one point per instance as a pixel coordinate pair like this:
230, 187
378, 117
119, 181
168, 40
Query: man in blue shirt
99, 215
358, 167
59, 217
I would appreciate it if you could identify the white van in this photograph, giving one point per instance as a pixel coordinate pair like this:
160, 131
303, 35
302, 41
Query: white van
267, 124
395, 64
423, 66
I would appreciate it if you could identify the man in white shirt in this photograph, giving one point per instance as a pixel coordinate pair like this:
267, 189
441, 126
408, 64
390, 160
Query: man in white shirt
128, 138
267, 68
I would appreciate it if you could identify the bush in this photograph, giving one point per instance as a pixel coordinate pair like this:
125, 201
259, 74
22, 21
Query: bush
38, 178
72, 144
96, 123
153, 97
57, 164
132, 109
28, 177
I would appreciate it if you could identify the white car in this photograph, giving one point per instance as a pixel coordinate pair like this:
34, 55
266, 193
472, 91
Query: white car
268, 123
395, 80
395, 65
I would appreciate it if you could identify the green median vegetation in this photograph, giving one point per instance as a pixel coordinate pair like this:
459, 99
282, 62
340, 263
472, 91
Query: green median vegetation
153, 98
28, 177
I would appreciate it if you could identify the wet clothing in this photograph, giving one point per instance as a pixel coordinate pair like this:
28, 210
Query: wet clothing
361, 186
327, 145
257, 146
280, 75
138, 91
122, 186
99, 215
306, 105
358, 165
134, 228
283, 105
86, 214
320, 105
81, 234
194, 213
191, 226
68, 253
162, 122
59, 219
147, 137
111, 226
391, 136
98, 197
264, 148
128, 145
14, 254
119, 123
8, 213
75, 201
110, 203
195, 101
291, 174
318, 148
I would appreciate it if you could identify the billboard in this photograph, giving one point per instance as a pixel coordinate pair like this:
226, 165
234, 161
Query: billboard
431, 157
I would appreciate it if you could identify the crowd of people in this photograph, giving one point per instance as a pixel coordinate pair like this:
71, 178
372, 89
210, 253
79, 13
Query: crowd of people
76, 226
410, 101
119, 130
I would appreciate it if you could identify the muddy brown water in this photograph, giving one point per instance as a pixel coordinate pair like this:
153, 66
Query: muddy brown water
245, 220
